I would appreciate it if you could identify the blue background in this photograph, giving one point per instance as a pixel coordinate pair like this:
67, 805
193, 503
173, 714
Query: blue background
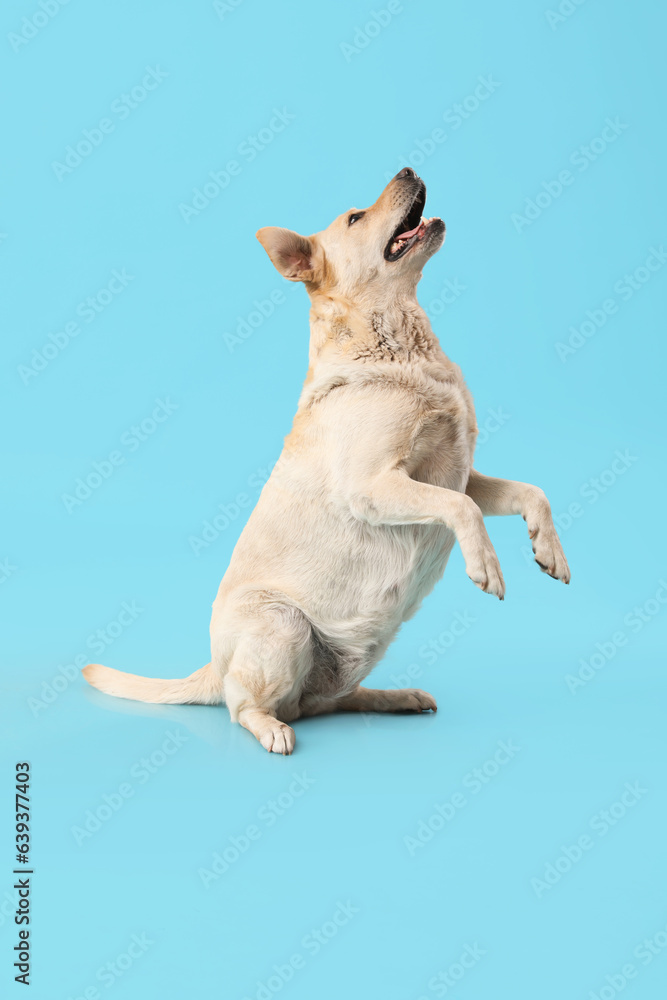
358, 116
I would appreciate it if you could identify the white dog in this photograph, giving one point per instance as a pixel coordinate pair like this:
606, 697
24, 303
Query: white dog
374, 485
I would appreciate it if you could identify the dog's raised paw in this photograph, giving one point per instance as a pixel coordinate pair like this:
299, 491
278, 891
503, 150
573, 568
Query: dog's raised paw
549, 554
484, 570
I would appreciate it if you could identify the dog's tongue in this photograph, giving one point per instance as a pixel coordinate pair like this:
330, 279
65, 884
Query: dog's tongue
406, 236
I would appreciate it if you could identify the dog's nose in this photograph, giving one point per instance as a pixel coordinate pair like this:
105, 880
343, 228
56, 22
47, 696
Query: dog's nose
405, 173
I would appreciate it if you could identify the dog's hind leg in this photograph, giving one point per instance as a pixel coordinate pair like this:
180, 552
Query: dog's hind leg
393, 700
266, 674
373, 700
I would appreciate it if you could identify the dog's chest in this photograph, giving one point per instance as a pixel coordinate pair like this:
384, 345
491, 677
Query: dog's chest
443, 443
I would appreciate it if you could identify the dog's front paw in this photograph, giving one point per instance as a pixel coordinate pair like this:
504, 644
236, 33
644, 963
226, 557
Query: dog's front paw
549, 554
483, 568
547, 549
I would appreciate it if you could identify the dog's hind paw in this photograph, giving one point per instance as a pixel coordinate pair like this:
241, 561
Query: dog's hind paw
413, 700
279, 738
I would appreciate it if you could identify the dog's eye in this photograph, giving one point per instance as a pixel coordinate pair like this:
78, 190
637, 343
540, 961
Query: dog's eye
354, 217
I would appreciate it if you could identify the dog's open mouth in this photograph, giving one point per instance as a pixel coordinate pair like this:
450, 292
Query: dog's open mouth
410, 230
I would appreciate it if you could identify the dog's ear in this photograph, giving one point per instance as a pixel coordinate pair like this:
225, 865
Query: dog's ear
290, 253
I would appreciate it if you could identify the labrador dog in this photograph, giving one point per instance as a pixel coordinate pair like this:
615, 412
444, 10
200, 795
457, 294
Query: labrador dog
374, 485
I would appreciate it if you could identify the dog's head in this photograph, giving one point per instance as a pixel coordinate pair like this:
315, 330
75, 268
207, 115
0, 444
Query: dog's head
381, 248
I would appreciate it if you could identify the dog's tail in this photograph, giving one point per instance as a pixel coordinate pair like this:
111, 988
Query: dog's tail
200, 688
